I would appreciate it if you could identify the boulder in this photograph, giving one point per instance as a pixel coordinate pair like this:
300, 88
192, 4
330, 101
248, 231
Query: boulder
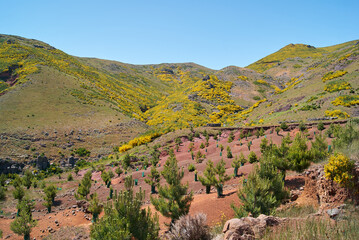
42, 162
248, 228
9, 166
72, 161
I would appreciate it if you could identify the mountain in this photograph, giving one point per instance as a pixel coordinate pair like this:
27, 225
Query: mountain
42, 87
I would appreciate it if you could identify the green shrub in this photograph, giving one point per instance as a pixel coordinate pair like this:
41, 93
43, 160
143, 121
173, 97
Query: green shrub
229, 152
191, 168
70, 177
252, 157
82, 152
125, 217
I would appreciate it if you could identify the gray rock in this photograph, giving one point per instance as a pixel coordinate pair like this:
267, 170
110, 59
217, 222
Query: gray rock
42, 163
333, 213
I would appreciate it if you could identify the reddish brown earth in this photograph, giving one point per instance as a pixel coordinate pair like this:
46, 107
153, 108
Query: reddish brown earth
215, 208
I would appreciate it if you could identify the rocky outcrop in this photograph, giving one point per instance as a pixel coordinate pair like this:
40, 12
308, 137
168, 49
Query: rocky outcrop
329, 193
9, 166
42, 163
249, 228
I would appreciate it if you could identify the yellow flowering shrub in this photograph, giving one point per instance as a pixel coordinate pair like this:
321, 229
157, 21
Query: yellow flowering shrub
339, 169
337, 86
294, 81
262, 82
337, 113
346, 100
214, 90
330, 75
244, 78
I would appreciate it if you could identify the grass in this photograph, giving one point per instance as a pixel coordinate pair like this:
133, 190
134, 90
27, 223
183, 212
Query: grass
319, 228
296, 211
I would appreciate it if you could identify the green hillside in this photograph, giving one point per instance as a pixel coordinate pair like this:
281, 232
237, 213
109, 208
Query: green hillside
43, 87
294, 51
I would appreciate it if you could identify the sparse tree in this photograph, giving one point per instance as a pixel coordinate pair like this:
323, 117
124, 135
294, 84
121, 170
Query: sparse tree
302, 127
321, 126
2, 193
27, 179
18, 193
70, 177
23, 224
173, 200
319, 148
85, 186
221, 177
95, 207
284, 126
208, 179
125, 218
229, 152
252, 157
2, 179
50, 194
277, 129
77, 170
236, 164
153, 179
262, 193
119, 171
231, 137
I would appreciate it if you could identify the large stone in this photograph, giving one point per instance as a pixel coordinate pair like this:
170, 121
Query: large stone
72, 161
248, 228
42, 163
9, 166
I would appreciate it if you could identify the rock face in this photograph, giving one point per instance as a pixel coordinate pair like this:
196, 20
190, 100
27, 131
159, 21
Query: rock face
249, 228
9, 166
42, 163
72, 161
329, 193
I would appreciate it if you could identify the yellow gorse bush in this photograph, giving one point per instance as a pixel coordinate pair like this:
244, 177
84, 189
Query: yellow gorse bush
339, 169
337, 86
346, 100
337, 113
330, 75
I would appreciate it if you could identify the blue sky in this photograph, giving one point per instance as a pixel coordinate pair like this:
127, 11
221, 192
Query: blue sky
214, 34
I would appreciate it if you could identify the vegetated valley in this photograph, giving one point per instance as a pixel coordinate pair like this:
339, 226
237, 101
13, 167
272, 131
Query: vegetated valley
92, 148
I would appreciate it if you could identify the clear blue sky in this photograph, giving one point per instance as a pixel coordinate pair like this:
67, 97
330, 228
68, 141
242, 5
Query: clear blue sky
211, 33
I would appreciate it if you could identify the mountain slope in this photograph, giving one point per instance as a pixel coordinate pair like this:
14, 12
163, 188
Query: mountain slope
60, 90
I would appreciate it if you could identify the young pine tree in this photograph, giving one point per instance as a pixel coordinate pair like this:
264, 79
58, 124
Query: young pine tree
262, 193
27, 179
277, 129
319, 148
208, 180
23, 224
252, 157
221, 177
229, 152
173, 200
95, 207
298, 154
320, 126
119, 171
50, 194
125, 218
153, 179
236, 164
18, 193
85, 186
